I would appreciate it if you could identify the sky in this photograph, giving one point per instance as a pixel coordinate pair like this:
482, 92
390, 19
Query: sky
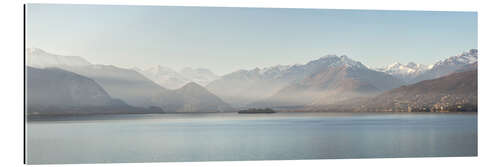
228, 39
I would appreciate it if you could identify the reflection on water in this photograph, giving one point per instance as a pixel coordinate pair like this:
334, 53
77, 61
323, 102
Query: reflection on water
229, 136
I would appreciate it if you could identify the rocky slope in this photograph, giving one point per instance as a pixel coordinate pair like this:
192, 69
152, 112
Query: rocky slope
454, 92
448, 66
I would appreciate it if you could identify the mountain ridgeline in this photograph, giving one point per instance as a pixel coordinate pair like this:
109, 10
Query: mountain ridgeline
453, 92
323, 81
171, 79
413, 73
52, 91
131, 87
198, 99
137, 90
448, 66
456, 92
330, 83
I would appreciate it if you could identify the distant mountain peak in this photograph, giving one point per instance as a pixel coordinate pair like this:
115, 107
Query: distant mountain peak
344, 60
327, 61
332, 56
404, 71
172, 79
413, 72
411, 63
34, 50
198, 70
159, 69
37, 57
193, 88
463, 58
192, 85
275, 69
395, 64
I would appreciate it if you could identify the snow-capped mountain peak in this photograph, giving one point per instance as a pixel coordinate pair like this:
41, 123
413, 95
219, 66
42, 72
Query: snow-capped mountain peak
404, 71
337, 61
464, 58
274, 69
413, 72
297, 71
398, 68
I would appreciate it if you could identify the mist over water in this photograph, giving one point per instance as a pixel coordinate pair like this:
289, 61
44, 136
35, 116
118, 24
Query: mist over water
230, 137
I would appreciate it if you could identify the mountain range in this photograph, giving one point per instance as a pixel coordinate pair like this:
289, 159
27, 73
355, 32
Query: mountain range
259, 86
171, 79
39, 58
52, 91
340, 78
134, 88
448, 66
413, 73
405, 72
456, 91
65, 88
327, 81
453, 92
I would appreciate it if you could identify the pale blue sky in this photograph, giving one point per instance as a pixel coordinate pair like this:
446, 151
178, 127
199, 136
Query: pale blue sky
228, 39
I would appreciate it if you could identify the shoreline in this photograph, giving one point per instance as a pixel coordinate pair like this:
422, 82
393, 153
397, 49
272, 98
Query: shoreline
82, 117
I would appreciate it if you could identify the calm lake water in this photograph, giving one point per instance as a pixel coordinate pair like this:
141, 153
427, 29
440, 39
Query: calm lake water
232, 136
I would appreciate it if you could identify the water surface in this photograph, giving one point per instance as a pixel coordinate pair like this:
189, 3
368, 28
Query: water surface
232, 136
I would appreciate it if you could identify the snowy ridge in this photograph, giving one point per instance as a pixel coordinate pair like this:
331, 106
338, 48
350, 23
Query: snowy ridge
257, 84
336, 61
274, 69
413, 72
464, 58
404, 69
328, 61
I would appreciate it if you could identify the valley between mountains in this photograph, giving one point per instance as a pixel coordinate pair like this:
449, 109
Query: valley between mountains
70, 85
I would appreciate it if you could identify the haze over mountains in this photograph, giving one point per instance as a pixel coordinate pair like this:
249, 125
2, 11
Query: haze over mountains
132, 87
125, 84
39, 58
196, 98
65, 88
54, 91
328, 81
171, 79
259, 86
334, 78
453, 92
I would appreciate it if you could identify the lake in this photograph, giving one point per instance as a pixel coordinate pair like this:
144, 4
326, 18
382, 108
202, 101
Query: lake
233, 137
